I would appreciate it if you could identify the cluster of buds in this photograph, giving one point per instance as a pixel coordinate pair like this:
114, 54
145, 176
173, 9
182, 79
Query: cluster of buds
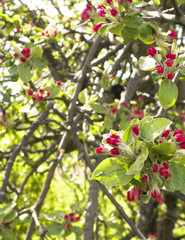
69, 219
176, 137
167, 68
114, 146
111, 109
87, 12
108, 11
137, 114
24, 56
50, 33
41, 95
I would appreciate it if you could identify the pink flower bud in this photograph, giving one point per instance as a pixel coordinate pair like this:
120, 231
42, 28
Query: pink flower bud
101, 12
182, 145
177, 131
109, 2
171, 55
41, 90
162, 171
1, 123
71, 214
27, 55
159, 69
23, 59
77, 219
24, 51
144, 179
114, 151
73, 219
29, 92
68, 225
133, 194
99, 150
172, 35
157, 196
66, 216
123, 104
166, 165
165, 133
169, 62
48, 94
41, 98
154, 167
180, 138
114, 110
59, 83
135, 130
15, 55
113, 12
170, 76
152, 51
97, 27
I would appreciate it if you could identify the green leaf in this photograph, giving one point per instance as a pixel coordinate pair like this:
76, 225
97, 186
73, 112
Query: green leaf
10, 217
177, 172
97, 107
145, 198
157, 2
168, 93
39, 62
152, 129
112, 172
8, 234
145, 31
83, 96
132, 21
24, 72
130, 34
53, 215
163, 151
37, 52
179, 156
77, 230
147, 63
181, 58
55, 228
127, 136
108, 122
6, 209
174, 48
116, 29
54, 90
153, 24
124, 123
13, 71
137, 166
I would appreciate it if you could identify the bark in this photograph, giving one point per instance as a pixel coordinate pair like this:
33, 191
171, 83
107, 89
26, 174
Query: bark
92, 210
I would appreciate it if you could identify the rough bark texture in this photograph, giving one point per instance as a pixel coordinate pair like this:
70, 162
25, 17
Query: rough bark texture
91, 210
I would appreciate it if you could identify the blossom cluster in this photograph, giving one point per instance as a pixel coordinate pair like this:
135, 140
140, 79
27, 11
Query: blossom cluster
69, 219
24, 56
167, 67
41, 95
109, 10
50, 33
156, 169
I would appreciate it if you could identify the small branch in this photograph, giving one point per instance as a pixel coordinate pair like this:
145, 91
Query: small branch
178, 11
17, 150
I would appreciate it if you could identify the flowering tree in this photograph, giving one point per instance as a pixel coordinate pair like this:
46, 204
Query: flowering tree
92, 120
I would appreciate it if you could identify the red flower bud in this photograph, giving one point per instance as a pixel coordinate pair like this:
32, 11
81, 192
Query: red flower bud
165, 133
170, 76
114, 151
135, 130
172, 35
171, 55
113, 12
152, 51
169, 62
29, 92
159, 69
177, 131
144, 179
154, 167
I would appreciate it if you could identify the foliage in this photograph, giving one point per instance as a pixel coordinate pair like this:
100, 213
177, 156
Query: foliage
77, 74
